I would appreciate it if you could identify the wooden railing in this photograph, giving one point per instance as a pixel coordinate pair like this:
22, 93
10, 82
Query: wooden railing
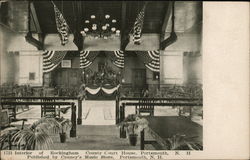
155, 101
72, 104
79, 117
122, 109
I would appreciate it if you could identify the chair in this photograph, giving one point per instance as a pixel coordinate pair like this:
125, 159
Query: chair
142, 108
49, 110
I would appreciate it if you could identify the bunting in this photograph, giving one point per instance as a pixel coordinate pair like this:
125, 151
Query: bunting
151, 59
117, 58
61, 25
51, 59
119, 62
138, 26
87, 58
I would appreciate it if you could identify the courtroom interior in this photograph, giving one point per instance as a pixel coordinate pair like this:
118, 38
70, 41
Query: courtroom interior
101, 75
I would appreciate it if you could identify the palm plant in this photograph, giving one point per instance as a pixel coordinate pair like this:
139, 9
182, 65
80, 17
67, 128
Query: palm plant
65, 124
37, 135
181, 142
6, 134
133, 125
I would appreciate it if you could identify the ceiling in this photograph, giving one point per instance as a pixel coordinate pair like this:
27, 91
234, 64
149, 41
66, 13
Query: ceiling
188, 15
154, 16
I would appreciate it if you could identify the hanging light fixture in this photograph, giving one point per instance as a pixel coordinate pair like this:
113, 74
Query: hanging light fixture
100, 26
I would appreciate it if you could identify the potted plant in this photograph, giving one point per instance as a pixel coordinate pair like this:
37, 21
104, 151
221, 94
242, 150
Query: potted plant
5, 136
65, 124
133, 125
37, 135
181, 142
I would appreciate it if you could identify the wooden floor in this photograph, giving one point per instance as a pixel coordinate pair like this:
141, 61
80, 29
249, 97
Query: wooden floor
95, 138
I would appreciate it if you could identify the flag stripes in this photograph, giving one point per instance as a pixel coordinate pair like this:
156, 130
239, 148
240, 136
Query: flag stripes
87, 58
151, 59
138, 26
119, 61
51, 59
61, 25
154, 65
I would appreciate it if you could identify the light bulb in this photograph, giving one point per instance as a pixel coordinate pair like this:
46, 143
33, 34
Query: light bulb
94, 25
107, 24
117, 32
113, 29
94, 28
86, 29
92, 16
107, 16
113, 21
87, 21
83, 33
104, 28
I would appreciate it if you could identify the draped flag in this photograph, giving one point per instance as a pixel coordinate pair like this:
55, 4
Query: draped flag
87, 58
173, 37
151, 59
94, 91
61, 25
51, 59
138, 25
119, 61
117, 58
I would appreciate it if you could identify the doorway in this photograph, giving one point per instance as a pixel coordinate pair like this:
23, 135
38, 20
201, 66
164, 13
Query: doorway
68, 77
139, 79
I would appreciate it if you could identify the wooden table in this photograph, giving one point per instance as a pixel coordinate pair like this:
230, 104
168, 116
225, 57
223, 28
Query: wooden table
163, 127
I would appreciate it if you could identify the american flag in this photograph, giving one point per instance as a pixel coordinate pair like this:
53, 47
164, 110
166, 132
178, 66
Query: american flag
138, 25
61, 25
151, 59
51, 59
116, 57
87, 58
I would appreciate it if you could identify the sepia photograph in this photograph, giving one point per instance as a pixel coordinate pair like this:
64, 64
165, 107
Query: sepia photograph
105, 79
101, 75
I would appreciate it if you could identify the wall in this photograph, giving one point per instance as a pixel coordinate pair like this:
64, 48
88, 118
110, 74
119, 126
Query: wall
172, 70
192, 69
171, 67
8, 60
177, 68
30, 62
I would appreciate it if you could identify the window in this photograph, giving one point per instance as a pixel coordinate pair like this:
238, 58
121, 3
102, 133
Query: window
66, 64
32, 76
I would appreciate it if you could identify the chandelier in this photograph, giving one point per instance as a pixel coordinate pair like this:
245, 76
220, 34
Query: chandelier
100, 26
